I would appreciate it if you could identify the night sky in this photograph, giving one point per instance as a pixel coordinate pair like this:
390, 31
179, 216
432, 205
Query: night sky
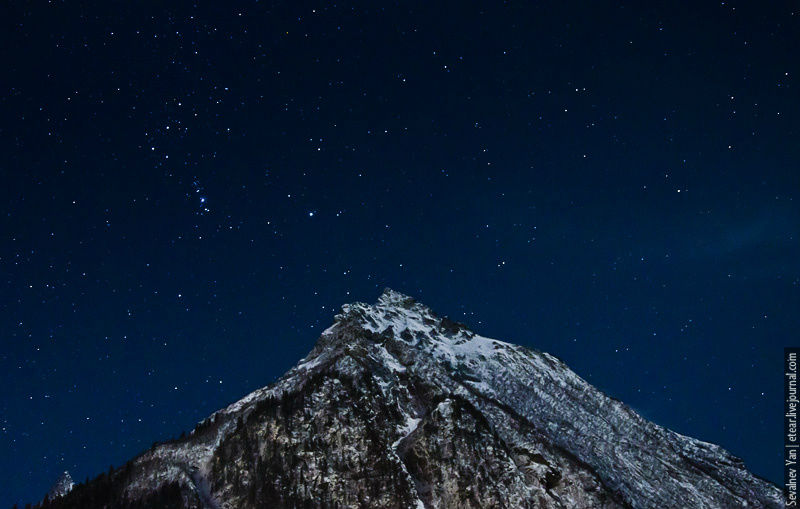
192, 191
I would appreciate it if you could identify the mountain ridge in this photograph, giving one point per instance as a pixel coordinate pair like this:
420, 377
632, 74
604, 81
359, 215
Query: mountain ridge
440, 410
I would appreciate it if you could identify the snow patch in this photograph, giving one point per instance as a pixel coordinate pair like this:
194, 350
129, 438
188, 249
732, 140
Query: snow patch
406, 429
389, 360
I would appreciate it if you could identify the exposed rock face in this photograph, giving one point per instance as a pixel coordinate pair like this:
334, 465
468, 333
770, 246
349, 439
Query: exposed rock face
398, 408
61, 487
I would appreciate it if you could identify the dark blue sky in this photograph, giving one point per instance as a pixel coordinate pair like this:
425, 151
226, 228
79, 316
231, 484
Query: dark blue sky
192, 191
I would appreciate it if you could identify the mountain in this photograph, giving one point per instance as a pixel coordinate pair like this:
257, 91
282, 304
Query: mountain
396, 407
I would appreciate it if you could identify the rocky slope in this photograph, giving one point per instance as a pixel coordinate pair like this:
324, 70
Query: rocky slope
61, 487
396, 407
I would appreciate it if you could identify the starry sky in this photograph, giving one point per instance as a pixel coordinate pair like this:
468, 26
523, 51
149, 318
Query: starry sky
192, 191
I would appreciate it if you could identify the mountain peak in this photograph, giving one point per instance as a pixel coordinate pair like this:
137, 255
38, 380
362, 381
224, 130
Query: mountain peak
392, 297
391, 309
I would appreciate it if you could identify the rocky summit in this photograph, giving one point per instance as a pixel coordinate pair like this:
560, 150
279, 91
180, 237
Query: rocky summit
396, 407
